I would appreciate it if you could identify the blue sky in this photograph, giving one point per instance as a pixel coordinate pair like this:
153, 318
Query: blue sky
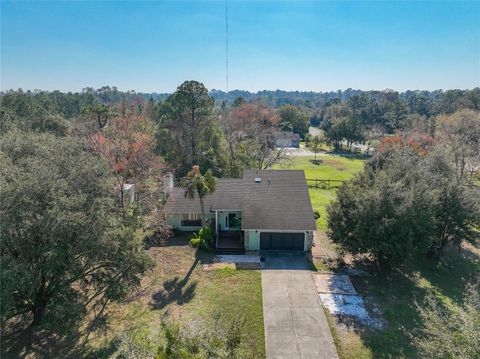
291, 45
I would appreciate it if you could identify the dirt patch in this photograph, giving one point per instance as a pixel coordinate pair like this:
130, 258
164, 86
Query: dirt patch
335, 164
323, 248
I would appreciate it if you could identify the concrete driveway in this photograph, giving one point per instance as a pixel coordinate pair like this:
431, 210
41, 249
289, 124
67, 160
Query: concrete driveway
295, 324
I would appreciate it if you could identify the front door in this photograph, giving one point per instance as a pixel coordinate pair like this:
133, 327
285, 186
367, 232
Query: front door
230, 220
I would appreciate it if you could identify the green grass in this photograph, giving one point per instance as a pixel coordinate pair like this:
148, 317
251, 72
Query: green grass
232, 294
348, 343
178, 289
328, 167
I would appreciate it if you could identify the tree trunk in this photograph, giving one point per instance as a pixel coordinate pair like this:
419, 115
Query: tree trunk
202, 207
122, 200
194, 151
39, 303
38, 313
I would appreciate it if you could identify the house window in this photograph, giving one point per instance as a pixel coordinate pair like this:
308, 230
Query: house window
191, 219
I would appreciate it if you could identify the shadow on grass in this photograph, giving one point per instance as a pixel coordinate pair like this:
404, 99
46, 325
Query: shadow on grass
104, 352
180, 239
17, 342
23, 342
397, 293
175, 291
180, 291
348, 154
316, 161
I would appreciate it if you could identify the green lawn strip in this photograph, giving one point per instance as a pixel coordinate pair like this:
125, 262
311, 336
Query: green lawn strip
348, 344
320, 199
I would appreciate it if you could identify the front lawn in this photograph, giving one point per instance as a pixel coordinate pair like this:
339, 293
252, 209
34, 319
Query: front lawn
180, 289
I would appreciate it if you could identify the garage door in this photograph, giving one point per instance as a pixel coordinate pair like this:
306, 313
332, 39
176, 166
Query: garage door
270, 241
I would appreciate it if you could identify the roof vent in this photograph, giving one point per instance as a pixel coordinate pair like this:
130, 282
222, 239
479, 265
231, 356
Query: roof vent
258, 180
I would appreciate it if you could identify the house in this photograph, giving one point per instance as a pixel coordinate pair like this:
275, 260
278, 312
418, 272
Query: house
263, 210
287, 139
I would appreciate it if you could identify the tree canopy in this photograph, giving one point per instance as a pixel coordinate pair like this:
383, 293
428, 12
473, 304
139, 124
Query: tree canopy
198, 185
64, 249
294, 119
406, 200
188, 129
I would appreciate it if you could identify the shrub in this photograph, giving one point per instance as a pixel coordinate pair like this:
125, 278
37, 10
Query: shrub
204, 239
195, 341
236, 223
316, 214
195, 241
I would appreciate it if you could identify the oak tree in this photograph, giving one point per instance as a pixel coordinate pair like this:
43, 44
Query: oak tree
63, 248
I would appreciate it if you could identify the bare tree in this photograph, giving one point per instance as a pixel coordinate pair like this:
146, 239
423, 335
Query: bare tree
460, 132
250, 131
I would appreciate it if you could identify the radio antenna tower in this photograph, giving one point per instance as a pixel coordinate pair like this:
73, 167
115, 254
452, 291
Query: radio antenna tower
226, 49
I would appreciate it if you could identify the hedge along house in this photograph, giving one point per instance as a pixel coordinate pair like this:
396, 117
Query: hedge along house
263, 210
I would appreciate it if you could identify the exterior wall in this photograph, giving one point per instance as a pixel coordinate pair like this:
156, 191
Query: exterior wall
308, 241
221, 219
287, 142
175, 220
252, 239
251, 236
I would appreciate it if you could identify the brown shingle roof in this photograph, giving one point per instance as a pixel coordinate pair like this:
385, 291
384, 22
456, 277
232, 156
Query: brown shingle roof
279, 202
228, 195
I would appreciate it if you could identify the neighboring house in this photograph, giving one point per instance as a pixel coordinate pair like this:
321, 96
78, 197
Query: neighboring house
263, 210
287, 139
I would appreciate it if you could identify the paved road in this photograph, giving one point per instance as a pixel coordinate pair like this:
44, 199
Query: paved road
295, 324
314, 131
301, 152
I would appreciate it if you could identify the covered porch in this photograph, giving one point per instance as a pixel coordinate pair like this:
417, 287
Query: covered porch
229, 236
230, 241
